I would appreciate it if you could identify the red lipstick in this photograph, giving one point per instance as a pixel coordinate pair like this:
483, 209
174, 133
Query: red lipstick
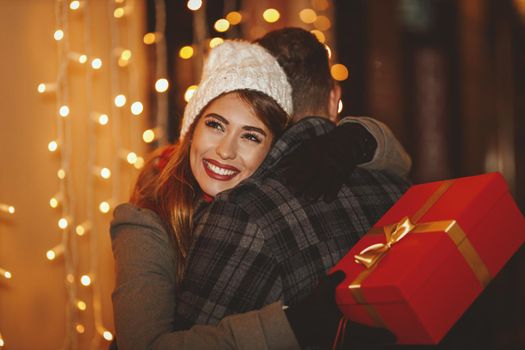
209, 164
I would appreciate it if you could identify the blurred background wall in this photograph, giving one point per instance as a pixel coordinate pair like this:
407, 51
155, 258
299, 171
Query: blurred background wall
447, 76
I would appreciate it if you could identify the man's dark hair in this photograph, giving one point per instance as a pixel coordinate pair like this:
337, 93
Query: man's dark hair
305, 62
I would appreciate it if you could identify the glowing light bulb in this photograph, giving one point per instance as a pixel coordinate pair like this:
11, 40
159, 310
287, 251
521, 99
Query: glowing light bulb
308, 15
74, 5
216, 42
340, 106
85, 280
322, 23
221, 25
107, 335
6, 274
59, 34
137, 108
81, 305
2, 342
234, 18
104, 173
49, 87
124, 58
63, 111
120, 100
194, 5
80, 328
131, 157
96, 63
9, 209
52, 146
339, 72
149, 136
271, 15
319, 35
61, 174
103, 119
54, 202
149, 38
186, 52
104, 207
119, 12
52, 254
189, 92
83, 228
161, 85
63, 223
139, 163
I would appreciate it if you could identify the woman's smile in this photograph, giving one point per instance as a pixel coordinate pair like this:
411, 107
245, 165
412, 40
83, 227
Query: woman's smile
219, 171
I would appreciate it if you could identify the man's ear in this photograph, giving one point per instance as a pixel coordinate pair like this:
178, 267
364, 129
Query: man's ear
333, 102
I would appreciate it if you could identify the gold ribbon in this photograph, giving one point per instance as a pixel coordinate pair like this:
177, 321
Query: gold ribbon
371, 255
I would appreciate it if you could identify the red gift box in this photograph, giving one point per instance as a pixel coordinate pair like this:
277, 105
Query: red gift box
430, 256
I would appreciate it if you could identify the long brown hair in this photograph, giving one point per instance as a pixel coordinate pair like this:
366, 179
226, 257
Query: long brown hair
172, 191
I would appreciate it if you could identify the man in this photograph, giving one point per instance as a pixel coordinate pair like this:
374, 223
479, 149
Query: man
259, 242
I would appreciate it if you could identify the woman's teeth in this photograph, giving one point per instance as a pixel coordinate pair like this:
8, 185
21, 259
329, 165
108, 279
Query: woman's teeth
219, 171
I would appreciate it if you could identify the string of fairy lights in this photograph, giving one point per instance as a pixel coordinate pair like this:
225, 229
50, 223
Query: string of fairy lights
6, 275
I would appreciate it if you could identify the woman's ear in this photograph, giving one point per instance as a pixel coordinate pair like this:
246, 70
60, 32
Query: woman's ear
333, 102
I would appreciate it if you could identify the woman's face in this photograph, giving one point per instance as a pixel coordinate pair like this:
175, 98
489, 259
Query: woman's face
228, 144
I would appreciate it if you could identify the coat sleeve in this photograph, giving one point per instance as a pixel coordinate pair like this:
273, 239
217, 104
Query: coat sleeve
390, 155
230, 268
144, 296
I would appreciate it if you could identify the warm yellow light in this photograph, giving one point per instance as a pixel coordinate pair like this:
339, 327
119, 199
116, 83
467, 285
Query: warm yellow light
339, 72
161, 85
107, 335
189, 92
139, 163
6, 274
104, 207
234, 18
322, 23
103, 119
194, 5
61, 174
131, 157
126, 54
105, 173
85, 280
59, 34
43, 88
216, 42
329, 51
50, 255
2, 343
186, 52
271, 15
340, 106
82, 59
319, 35
320, 5
96, 63
120, 100
81, 305
137, 108
80, 328
119, 12
82, 228
11, 209
148, 136
74, 5
63, 223
221, 25
63, 111
149, 38
307, 15
55, 201
52, 146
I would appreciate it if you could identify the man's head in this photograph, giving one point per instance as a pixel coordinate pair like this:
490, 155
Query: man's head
305, 61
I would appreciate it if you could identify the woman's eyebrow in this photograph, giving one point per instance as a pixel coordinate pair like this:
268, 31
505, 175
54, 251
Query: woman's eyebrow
254, 128
217, 116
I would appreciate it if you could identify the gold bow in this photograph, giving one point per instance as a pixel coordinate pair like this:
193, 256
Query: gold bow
394, 233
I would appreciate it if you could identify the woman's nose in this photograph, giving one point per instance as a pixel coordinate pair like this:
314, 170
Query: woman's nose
227, 149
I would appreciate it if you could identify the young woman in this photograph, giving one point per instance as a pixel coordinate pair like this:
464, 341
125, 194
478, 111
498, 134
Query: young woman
242, 105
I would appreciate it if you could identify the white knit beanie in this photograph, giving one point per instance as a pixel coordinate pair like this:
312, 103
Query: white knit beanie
236, 65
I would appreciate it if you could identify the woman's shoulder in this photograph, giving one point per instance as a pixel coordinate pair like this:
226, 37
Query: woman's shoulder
127, 215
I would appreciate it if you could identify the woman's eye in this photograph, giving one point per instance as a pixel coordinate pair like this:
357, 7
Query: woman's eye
211, 123
252, 137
